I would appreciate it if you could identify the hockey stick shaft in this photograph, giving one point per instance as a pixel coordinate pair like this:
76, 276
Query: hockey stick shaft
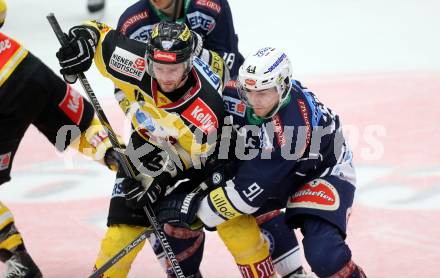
132, 244
123, 158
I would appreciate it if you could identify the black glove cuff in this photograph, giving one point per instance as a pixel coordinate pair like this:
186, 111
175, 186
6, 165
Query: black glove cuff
86, 32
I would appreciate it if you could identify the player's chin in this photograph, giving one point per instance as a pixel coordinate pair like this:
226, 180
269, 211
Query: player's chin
260, 112
167, 88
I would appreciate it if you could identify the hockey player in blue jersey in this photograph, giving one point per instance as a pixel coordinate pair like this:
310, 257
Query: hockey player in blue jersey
210, 19
290, 154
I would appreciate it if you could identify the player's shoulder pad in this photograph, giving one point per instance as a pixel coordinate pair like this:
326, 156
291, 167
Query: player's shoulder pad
135, 15
100, 27
298, 86
210, 7
126, 59
206, 71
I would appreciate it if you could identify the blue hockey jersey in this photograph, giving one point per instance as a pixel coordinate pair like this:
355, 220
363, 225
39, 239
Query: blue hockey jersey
212, 19
276, 156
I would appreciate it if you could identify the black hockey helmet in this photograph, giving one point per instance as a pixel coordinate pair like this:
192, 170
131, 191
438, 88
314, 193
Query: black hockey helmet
170, 43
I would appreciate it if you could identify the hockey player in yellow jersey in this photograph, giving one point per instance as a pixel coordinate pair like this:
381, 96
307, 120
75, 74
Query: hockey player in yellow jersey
31, 93
175, 105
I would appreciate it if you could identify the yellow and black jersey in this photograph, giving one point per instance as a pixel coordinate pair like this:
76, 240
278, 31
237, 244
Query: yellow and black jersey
12, 54
188, 124
31, 93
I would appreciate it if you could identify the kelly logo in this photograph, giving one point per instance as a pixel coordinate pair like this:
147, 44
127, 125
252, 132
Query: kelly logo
72, 105
5, 160
200, 115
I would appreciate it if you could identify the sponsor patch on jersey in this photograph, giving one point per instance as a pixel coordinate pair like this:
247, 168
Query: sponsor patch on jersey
201, 115
279, 133
264, 268
317, 194
164, 56
246, 270
8, 48
234, 106
216, 63
306, 118
118, 191
132, 20
232, 84
222, 205
5, 160
127, 63
5, 45
142, 34
201, 20
206, 71
72, 105
209, 4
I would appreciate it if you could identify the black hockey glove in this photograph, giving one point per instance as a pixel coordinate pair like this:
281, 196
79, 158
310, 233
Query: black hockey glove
112, 159
77, 55
145, 189
179, 209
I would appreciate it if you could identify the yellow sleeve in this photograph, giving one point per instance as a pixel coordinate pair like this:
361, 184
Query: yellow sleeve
94, 141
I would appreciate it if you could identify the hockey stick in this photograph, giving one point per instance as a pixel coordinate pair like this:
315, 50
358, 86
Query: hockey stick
177, 9
124, 251
123, 158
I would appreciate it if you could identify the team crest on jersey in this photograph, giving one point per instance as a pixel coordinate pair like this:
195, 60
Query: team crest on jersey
200, 115
201, 20
72, 105
317, 194
132, 20
269, 238
127, 63
234, 106
5, 160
